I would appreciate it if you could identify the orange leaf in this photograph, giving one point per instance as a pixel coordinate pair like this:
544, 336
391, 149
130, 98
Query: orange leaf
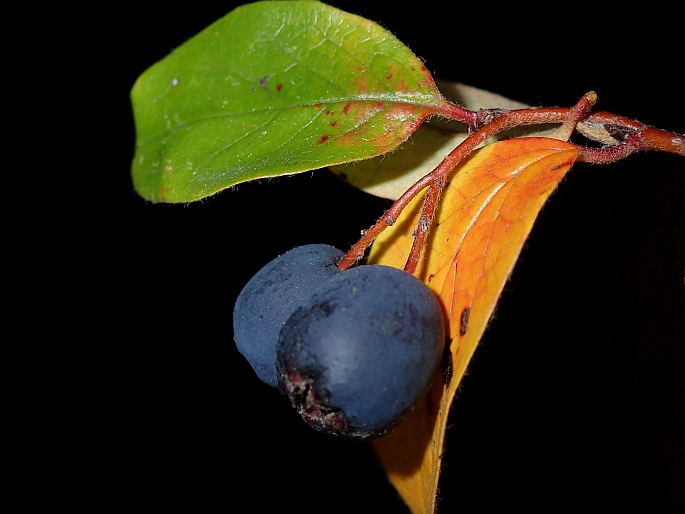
486, 213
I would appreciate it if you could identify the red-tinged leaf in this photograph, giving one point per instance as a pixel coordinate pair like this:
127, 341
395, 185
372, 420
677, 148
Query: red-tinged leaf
486, 212
271, 89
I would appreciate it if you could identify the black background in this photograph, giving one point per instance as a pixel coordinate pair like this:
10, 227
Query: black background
575, 396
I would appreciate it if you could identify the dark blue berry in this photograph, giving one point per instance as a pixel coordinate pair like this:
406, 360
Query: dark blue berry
272, 295
362, 351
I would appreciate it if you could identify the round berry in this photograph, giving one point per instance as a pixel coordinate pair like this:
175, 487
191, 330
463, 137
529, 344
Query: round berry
272, 295
359, 354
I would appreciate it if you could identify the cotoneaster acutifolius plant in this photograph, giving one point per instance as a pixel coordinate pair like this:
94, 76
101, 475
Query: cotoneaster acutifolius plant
213, 115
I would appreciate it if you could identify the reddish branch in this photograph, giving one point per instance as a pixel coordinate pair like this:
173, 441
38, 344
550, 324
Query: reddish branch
626, 136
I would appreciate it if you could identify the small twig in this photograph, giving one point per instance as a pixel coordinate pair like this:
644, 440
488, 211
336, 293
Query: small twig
575, 115
488, 122
430, 204
651, 138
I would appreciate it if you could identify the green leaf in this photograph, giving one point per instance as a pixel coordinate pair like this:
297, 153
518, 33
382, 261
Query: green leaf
274, 88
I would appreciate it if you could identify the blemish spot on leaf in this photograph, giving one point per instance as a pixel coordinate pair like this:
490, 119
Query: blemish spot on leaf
464, 321
263, 81
334, 123
347, 107
323, 139
279, 86
174, 82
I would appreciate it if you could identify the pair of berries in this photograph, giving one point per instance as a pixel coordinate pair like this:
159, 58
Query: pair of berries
355, 351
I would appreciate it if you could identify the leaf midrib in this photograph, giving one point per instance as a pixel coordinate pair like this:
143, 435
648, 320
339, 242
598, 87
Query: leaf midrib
277, 110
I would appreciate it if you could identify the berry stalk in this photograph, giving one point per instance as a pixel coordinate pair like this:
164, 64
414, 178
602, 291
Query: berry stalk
622, 137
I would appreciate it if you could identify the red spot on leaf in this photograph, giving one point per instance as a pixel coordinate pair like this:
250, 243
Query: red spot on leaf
318, 105
162, 194
328, 112
391, 72
347, 107
323, 139
279, 87
334, 123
